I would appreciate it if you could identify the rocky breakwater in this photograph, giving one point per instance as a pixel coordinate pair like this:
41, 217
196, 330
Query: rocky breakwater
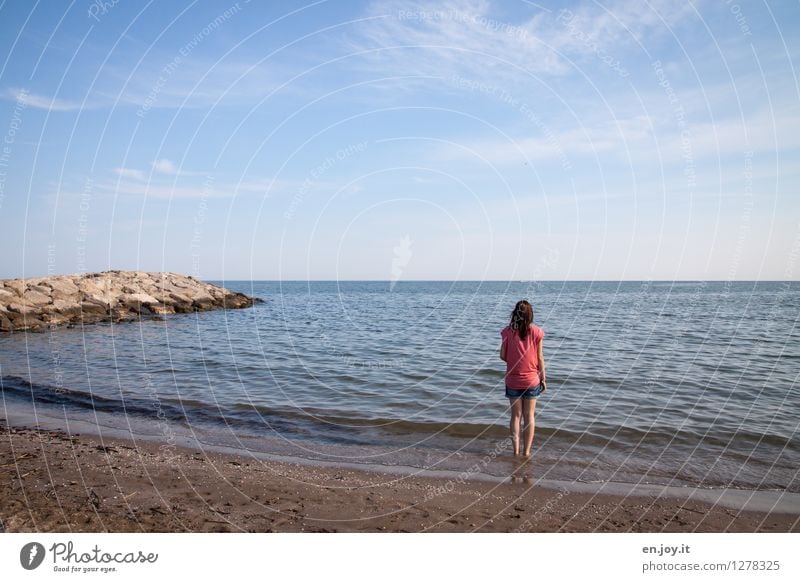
118, 296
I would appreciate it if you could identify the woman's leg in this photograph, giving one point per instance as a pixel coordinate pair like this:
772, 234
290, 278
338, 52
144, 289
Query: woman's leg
516, 415
528, 410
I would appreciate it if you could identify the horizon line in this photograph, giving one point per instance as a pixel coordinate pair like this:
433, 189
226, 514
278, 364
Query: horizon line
210, 278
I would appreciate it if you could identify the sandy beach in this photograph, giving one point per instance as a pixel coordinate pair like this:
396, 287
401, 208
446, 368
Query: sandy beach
52, 481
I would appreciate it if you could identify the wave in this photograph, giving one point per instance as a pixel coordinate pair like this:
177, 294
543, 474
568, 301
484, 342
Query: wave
344, 426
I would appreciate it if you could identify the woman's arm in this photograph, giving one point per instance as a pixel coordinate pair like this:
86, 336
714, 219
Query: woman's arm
541, 362
503, 351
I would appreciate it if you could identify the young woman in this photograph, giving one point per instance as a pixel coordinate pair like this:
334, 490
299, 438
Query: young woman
521, 350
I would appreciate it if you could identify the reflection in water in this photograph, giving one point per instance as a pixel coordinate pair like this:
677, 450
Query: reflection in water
522, 470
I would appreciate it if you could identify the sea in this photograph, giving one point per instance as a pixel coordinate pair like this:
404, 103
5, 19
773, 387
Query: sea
656, 383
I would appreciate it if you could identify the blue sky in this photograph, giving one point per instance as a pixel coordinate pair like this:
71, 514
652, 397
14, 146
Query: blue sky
401, 140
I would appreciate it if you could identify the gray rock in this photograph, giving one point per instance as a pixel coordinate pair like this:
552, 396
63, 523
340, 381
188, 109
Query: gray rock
22, 309
15, 285
36, 298
5, 323
118, 296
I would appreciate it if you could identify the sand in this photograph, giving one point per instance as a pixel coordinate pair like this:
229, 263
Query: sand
51, 481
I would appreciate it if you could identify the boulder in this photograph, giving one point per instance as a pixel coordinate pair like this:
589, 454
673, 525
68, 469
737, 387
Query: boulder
32, 297
5, 323
181, 303
35, 304
203, 301
54, 318
69, 308
63, 288
160, 309
22, 309
138, 298
121, 314
92, 308
15, 285
89, 287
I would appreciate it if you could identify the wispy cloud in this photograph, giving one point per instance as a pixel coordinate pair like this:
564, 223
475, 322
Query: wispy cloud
165, 166
640, 138
190, 84
153, 190
40, 101
617, 136
169, 168
190, 185
470, 38
451, 37
129, 173
167, 81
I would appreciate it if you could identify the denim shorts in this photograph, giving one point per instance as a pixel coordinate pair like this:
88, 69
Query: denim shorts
524, 393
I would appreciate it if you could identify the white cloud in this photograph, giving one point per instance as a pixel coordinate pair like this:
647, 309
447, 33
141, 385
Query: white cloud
640, 138
618, 136
458, 36
41, 102
470, 37
165, 166
163, 191
187, 187
129, 173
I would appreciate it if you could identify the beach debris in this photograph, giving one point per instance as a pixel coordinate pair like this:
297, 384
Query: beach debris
94, 499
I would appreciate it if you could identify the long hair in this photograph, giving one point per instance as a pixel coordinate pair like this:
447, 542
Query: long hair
521, 318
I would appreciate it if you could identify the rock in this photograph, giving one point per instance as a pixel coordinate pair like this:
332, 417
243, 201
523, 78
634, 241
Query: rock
22, 309
97, 300
122, 314
5, 323
92, 307
15, 285
23, 322
40, 288
89, 287
69, 308
160, 309
63, 288
181, 303
35, 304
203, 301
54, 318
36, 298
139, 298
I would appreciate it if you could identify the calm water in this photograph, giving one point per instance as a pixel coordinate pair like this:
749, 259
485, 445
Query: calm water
667, 383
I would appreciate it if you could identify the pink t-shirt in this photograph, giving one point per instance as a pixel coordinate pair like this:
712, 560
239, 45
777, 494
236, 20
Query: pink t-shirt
522, 357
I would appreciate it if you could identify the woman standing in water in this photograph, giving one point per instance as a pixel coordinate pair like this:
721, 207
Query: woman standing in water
521, 350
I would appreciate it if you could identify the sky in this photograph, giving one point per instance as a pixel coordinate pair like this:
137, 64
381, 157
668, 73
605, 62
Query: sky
401, 140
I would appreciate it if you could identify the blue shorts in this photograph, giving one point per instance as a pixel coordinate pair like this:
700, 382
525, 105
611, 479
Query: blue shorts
525, 393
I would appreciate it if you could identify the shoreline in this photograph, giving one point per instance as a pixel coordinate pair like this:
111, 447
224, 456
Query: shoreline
55, 481
494, 466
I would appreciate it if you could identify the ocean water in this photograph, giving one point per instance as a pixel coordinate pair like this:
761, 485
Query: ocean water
688, 384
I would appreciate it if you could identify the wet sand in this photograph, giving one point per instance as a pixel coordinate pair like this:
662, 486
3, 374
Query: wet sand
51, 481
